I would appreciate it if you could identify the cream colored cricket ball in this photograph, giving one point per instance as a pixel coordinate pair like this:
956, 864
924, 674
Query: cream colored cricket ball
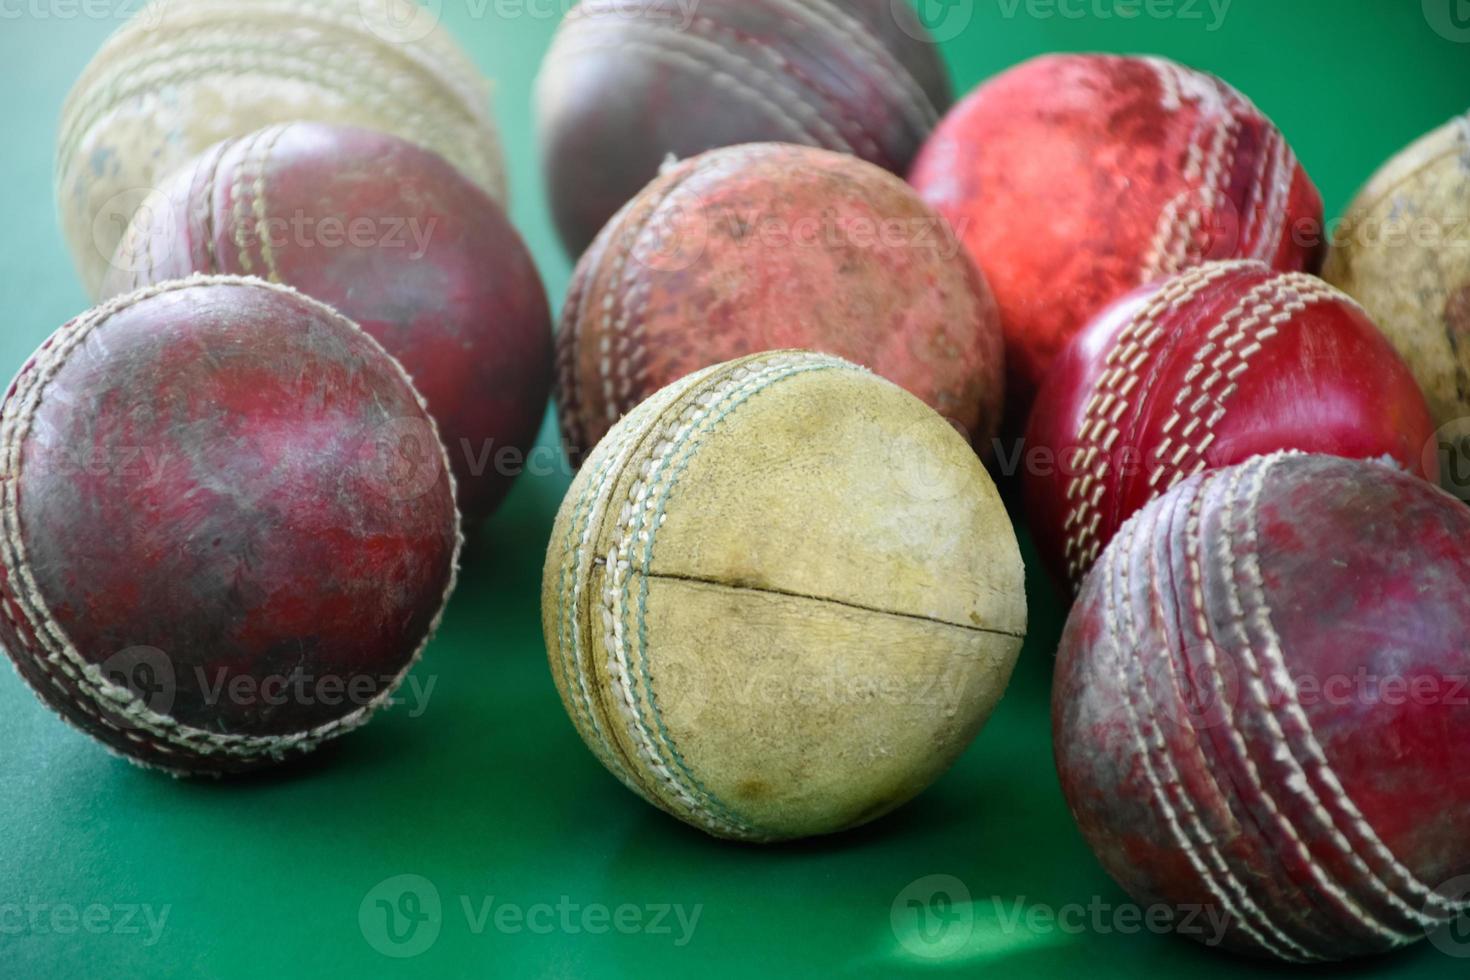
182, 75
781, 597
1403, 252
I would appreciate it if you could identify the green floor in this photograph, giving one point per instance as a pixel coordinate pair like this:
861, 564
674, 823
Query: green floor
487, 795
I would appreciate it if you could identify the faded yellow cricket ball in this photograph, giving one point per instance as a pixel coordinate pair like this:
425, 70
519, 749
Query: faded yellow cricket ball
781, 597
1403, 252
182, 75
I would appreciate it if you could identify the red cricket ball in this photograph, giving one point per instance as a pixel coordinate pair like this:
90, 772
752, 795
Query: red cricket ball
1208, 368
629, 82
1076, 178
772, 246
395, 238
1262, 704
227, 526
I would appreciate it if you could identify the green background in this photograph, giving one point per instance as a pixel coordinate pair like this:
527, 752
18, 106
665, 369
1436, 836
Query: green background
489, 793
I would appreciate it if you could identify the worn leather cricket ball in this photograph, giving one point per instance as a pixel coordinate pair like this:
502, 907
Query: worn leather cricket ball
182, 75
392, 236
1226, 361
1403, 251
1261, 707
769, 246
227, 527
781, 597
628, 83
1074, 179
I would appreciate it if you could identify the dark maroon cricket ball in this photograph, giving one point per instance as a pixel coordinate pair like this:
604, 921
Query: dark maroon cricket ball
1261, 708
628, 83
227, 526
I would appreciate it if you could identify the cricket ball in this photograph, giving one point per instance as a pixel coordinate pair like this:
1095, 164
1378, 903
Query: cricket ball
628, 83
1074, 179
1260, 707
1403, 253
182, 75
392, 236
781, 597
1210, 367
770, 246
227, 527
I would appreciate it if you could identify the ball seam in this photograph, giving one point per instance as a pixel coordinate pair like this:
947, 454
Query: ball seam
1101, 428
1273, 661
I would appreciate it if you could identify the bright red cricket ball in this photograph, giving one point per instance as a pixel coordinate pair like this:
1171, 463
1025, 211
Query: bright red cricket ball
227, 526
1208, 368
399, 241
1076, 178
628, 83
1262, 703
772, 246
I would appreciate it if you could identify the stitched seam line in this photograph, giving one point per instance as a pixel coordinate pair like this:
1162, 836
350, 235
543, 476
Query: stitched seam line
1244, 653
705, 413
1273, 663
610, 460
1109, 402
1226, 355
587, 512
920, 109
1199, 850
